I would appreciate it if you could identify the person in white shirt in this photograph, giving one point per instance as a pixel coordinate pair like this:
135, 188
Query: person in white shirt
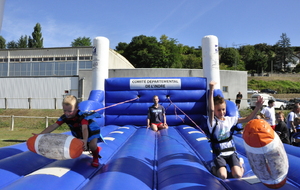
291, 118
268, 113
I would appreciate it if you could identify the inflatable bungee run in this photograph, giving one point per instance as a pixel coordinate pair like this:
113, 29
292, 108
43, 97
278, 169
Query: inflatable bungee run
134, 157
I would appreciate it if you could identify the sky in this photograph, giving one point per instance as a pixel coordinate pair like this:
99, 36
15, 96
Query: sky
234, 22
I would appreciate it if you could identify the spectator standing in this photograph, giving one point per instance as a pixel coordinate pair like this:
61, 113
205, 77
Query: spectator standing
238, 99
291, 117
296, 136
281, 128
268, 113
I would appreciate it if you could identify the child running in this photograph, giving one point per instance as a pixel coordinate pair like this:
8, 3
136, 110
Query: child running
221, 137
86, 130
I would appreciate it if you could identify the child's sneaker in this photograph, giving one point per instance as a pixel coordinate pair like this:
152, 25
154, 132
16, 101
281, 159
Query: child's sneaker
96, 157
95, 162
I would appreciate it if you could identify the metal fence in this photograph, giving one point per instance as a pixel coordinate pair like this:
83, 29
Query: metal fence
12, 122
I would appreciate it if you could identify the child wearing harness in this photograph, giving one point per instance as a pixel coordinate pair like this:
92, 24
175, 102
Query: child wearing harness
221, 130
80, 125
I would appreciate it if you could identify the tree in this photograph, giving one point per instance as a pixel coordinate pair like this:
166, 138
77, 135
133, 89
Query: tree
284, 51
191, 61
230, 57
170, 52
81, 41
36, 41
143, 52
12, 45
247, 53
23, 42
121, 47
2, 43
259, 63
147, 52
190, 57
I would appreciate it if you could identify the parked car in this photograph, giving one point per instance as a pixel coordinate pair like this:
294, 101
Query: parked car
248, 103
285, 103
291, 103
251, 91
268, 91
266, 97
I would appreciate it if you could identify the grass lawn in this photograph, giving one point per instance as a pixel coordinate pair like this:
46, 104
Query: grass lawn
24, 127
8, 137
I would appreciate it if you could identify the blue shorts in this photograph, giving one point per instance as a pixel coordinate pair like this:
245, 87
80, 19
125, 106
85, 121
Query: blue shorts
231, 160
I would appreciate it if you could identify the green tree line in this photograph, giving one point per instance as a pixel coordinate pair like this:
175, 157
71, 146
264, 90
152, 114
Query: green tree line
33, 41
150, 52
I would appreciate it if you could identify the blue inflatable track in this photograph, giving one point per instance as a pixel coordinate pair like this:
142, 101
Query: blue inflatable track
135, 157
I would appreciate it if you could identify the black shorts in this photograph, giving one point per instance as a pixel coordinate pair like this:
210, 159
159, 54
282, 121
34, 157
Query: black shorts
238, 101
231, 160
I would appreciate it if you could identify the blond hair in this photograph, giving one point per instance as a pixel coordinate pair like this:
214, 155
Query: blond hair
70, 100
280, 113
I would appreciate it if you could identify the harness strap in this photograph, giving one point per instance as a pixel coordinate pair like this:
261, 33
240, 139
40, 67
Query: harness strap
213, 140
217, 151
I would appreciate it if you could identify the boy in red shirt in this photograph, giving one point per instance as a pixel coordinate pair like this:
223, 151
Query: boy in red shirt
86, 130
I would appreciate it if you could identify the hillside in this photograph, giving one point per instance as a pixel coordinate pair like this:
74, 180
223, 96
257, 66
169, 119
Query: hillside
281, 80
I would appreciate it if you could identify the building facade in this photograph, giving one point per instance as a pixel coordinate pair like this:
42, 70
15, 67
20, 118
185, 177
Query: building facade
40, 78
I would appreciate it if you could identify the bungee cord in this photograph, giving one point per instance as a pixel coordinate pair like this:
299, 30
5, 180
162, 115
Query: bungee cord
185, 115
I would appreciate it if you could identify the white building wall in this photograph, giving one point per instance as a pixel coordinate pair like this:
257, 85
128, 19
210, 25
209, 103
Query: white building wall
36, 93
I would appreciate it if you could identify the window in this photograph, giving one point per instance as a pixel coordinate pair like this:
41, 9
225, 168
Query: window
71, 58
225, 88
3, 69
85, 64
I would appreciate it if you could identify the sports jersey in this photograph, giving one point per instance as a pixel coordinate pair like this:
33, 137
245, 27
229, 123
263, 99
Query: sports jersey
156, 114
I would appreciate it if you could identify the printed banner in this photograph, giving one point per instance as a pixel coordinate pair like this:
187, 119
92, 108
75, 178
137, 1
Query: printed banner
155, 83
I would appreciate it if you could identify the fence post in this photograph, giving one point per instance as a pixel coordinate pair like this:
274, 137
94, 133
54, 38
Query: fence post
46, 121
12, 123
55, 103
5, 102
29, 103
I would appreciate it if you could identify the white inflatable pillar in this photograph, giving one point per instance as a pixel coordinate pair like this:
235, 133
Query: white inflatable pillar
2, 3
100, 62
210, 59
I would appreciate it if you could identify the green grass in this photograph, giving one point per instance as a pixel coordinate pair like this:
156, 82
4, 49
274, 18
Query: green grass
19, 135
281, 86
24, 127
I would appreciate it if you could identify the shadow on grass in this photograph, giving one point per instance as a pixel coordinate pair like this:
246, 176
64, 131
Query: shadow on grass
9, 140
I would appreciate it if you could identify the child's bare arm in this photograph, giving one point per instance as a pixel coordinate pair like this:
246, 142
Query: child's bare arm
49, 129
211, 101
85, 135
259, 104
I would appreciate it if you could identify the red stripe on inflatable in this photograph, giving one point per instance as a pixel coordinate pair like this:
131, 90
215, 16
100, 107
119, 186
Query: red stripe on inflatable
31, 143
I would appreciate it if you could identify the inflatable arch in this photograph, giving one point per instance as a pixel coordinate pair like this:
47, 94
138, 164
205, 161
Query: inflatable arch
133, 156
